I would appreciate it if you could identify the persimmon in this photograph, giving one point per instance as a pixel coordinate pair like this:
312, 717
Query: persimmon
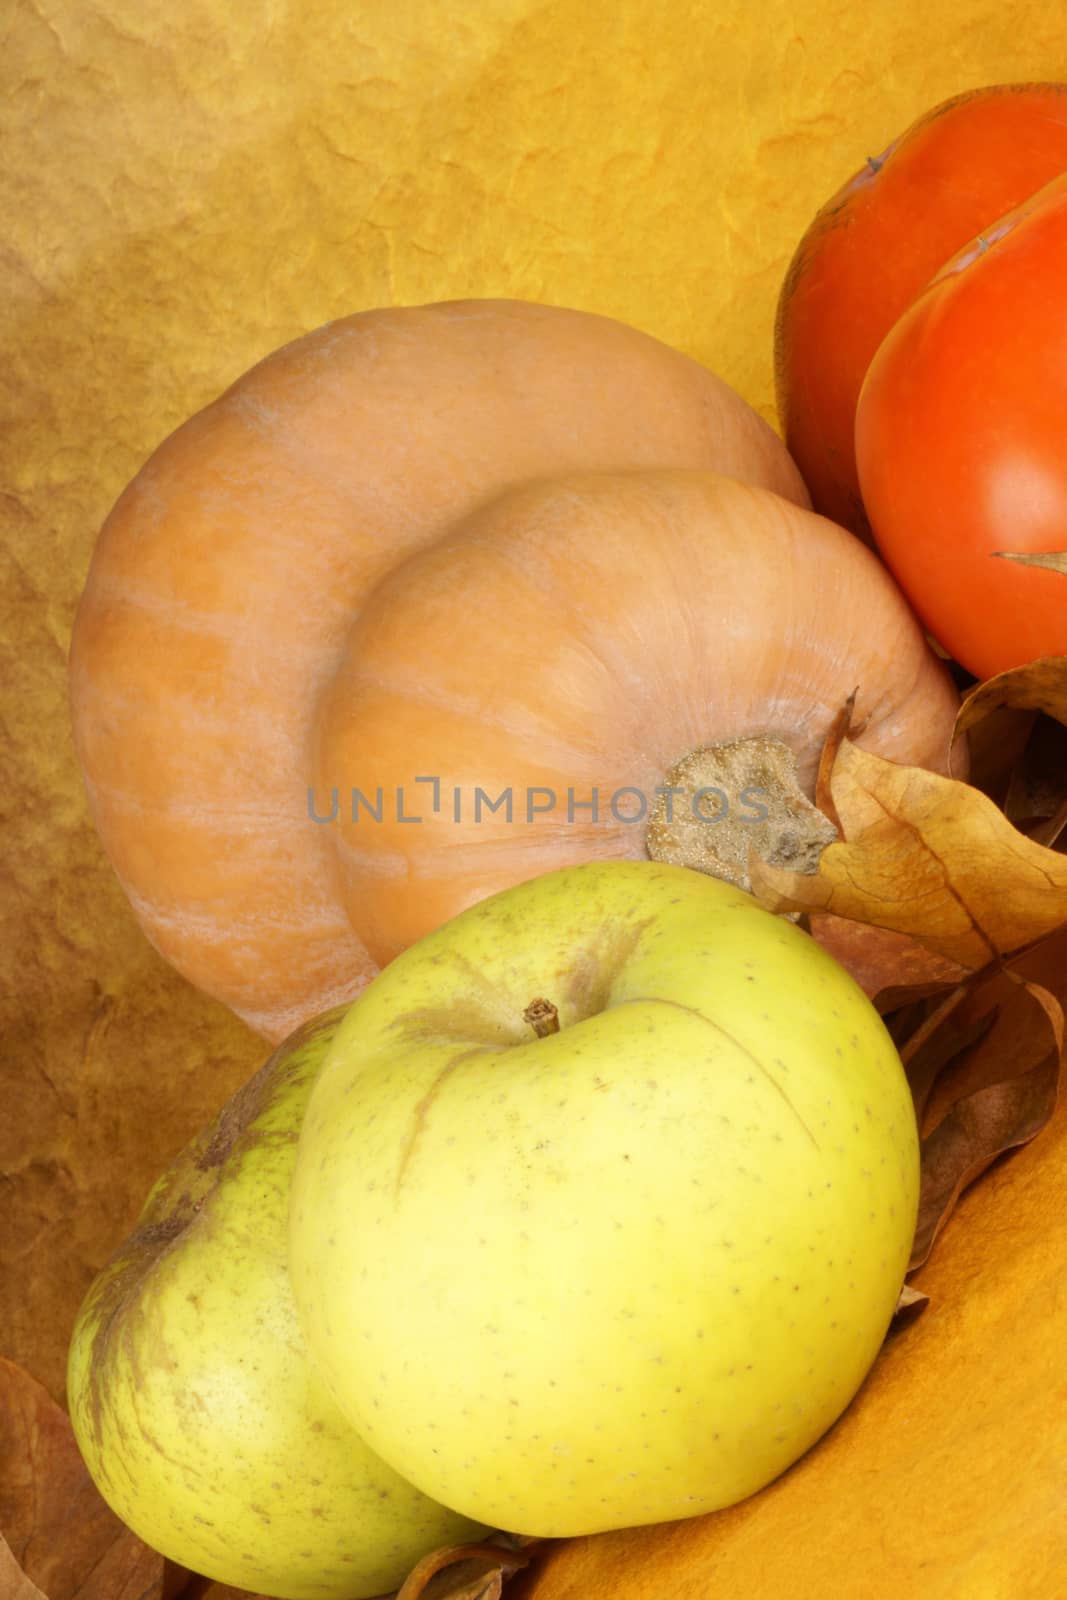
875, 244
960, 444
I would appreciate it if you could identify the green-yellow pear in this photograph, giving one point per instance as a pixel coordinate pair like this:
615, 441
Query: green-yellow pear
620, 1272
193, 1398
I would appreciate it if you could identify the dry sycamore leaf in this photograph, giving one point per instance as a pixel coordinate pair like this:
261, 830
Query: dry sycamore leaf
911, 1303
1038, 686
14, 1584
59, 1531
467, 1571
996, 745
940, 1036
1016, 725
929, 857
985, 1079
1036, 797
891, 968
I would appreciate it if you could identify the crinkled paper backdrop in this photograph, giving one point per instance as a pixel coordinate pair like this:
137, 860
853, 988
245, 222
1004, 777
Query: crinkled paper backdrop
184, 188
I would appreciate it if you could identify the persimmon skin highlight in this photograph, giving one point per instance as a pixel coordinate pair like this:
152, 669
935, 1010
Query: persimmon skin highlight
960, 444
875, 244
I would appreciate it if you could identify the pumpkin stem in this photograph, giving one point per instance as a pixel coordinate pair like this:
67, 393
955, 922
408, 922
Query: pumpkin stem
724, 801
543, 1017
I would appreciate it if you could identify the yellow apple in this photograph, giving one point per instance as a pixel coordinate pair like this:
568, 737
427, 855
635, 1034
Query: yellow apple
625, 1271
194, 1402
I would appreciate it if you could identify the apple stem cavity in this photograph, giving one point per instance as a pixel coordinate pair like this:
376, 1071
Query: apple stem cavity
724, 801
543, 1017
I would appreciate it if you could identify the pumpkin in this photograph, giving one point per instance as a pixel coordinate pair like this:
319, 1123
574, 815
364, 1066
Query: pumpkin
498, 545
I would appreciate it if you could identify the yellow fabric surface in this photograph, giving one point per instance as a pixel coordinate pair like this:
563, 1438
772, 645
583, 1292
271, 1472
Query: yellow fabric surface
185, 187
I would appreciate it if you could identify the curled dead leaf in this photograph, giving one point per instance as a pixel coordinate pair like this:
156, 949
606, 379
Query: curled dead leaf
929, 857
910, 1303
63, 1539
940, 1037
986, 1079
891, 968
1038, 686
14, 1584
1036, 796
467, 1571
1016, 725
995, 747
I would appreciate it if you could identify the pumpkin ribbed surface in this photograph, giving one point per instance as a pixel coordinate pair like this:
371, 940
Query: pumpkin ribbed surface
492, 543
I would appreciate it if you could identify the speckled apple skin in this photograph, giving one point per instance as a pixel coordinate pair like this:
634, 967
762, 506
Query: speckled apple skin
194, 1401
630, 1271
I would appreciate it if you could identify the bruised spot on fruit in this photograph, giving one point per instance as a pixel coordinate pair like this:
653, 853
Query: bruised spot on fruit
116, 1286
174, 1205
290, 1060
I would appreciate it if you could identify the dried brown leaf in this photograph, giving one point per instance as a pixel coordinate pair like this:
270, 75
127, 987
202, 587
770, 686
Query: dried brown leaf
465, 1582
14, 1584
910, 1304
1045, 963
60, 1532
1007, 721
940, 1037
1036, 797
929, 857
992, 1095
466, 1571
891, 968
1038, 686
995, 746
1050, 831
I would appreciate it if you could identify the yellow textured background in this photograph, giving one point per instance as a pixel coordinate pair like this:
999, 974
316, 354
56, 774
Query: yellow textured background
182, 188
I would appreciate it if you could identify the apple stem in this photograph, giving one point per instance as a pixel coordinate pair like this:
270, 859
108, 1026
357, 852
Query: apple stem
542, 1017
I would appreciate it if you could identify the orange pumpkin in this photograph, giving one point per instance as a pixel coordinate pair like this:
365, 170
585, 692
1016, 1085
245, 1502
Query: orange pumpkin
498, 545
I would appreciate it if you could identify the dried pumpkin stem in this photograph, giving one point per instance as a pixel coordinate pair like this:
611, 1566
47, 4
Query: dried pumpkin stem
543, 1017
724, 801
